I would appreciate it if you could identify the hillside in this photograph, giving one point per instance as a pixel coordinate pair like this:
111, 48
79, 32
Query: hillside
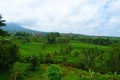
14, 27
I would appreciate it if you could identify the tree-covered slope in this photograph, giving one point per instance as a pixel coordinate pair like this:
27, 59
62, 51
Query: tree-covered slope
14, 27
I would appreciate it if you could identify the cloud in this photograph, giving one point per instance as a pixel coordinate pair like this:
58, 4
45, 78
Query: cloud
93, 17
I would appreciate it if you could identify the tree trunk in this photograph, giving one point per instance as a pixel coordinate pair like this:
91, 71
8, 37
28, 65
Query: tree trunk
15, 78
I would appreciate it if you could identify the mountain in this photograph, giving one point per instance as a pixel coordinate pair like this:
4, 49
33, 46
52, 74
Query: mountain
14, 27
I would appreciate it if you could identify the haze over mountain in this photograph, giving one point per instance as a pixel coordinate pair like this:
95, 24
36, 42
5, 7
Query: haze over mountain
91, 17
14, 27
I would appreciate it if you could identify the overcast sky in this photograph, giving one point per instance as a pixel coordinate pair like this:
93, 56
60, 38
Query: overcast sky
92, 17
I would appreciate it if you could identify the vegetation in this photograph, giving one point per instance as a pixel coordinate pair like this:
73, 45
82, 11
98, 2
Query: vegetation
55, 56
2, 23
9, 53
54, 73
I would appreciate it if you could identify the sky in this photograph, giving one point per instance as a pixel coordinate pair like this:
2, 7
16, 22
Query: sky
91, 17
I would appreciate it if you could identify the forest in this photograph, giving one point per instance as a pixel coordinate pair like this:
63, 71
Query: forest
58, 56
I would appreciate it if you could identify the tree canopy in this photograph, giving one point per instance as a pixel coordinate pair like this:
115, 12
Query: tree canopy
2, 23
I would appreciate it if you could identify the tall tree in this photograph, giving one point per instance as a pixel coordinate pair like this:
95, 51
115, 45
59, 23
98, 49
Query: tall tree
9, 51
9, 54
2, 23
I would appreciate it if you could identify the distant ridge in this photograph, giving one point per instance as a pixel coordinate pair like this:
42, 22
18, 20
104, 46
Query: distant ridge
14, 27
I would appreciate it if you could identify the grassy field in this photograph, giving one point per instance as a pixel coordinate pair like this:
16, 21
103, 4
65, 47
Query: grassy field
68, 73
35, 48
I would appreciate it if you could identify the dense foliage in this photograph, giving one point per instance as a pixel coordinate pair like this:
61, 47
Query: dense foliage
9, 53
2, 23
54, 73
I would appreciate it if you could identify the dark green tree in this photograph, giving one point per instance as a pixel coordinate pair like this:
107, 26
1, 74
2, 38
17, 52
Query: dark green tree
2, 23
114, 55
34, 63
9, 53
51, 37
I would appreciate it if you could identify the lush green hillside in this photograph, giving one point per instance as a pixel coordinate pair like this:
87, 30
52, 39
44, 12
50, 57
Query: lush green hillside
68, 73
15, 27
76, 57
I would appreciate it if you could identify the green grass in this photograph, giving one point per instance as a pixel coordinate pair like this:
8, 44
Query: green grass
30, 49
35, 48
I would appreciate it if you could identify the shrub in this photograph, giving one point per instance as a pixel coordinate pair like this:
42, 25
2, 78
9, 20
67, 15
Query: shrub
62, 40
54, 73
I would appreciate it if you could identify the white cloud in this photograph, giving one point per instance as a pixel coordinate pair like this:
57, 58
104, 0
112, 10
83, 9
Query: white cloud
78, 16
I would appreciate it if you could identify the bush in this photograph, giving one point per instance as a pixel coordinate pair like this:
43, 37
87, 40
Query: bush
62, 40
54, 73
